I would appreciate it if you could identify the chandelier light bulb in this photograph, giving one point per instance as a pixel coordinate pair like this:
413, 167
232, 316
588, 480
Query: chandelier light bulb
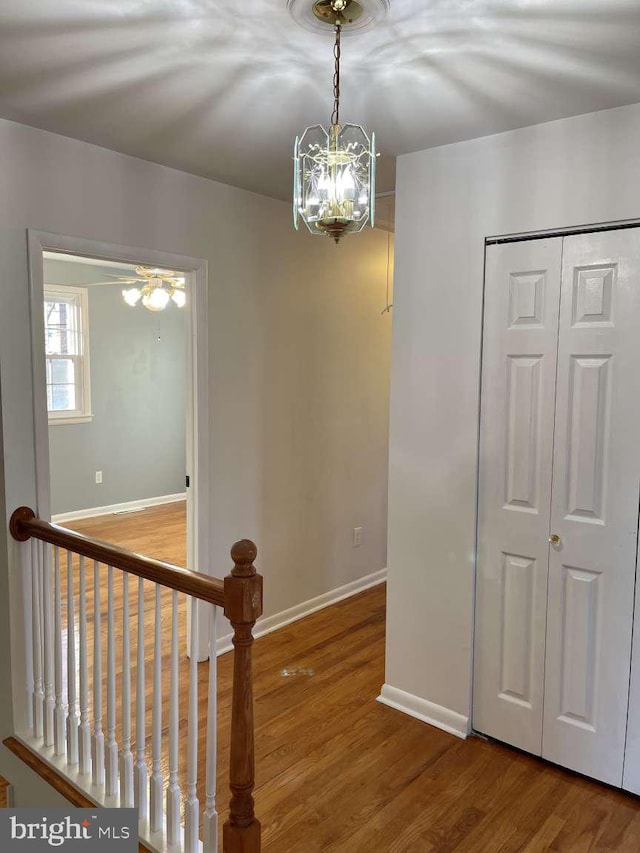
345, 184
324, 184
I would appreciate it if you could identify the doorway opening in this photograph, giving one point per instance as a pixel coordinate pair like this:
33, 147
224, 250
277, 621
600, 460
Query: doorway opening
121, 397
116, 382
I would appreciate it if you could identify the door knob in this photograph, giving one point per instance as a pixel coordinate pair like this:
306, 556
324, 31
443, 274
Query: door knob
554, 539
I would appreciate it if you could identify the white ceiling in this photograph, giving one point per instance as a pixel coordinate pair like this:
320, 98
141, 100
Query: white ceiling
83, 271
90, 262
79, 271
222, 88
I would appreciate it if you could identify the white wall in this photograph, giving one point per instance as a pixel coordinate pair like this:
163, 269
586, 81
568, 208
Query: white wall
299, 354
572, 172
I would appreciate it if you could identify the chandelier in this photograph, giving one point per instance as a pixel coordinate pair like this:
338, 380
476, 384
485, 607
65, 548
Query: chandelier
156, 288
334, 170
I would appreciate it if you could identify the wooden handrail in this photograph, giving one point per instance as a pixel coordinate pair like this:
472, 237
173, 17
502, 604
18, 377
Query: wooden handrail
240, 594
24, 525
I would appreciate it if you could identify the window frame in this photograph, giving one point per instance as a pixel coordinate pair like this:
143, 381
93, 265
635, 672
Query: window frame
80, 297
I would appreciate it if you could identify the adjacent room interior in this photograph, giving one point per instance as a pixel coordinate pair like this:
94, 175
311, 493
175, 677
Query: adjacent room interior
117, 401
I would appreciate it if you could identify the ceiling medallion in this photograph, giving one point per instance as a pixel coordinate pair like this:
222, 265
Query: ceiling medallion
355, 16
343, 13
334, 170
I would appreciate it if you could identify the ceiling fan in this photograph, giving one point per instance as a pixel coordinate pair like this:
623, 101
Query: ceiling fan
153, 286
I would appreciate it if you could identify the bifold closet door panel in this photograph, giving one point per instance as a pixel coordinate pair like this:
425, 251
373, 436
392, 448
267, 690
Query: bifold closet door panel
522, 296
631, 775
594, 509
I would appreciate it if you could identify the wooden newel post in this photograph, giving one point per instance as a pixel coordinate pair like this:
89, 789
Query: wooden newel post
242, 606
16, 524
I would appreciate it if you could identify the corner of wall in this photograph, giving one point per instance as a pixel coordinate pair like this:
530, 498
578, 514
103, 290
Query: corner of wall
435, 715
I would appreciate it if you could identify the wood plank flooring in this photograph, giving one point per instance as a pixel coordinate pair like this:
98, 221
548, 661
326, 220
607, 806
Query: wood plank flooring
339, 773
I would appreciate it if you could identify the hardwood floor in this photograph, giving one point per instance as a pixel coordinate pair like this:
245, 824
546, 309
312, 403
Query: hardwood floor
339, 773
158, 532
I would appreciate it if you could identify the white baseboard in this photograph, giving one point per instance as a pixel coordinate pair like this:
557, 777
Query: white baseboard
128, 506
306, 608
436, 715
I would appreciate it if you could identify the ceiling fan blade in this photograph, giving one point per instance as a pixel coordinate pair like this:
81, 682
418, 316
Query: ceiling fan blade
176, 282
122, 281
122, 277
155, 272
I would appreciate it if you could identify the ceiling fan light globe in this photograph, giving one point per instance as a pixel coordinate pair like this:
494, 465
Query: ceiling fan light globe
131, 296
157, 287
179, 297
156, 300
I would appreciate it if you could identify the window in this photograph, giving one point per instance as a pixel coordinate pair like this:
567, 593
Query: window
66, 336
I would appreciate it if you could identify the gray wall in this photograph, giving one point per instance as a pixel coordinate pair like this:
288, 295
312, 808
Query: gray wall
572, 172
299, 358
138, 399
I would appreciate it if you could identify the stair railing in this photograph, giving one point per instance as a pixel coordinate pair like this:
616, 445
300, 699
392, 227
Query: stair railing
105, 752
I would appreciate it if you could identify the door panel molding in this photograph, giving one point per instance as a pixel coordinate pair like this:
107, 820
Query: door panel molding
523, 407
518, 577
589, 406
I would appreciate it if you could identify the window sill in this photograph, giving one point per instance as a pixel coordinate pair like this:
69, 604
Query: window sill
73, 419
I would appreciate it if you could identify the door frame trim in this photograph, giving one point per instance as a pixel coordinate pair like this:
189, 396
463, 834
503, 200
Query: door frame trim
198, 453
562, 232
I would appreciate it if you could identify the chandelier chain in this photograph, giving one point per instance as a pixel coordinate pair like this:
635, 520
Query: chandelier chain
335, 117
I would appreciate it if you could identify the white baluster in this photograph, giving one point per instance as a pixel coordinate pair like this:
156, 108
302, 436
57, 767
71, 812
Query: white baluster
140, 799
157, 780
49, 695
97, 742
27, 603
73, 718
192, 804
210, 821
173, 789
85, 728
111, 763
38, 691
126, 756
60, 713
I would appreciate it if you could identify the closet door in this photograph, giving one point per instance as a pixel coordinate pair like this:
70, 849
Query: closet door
594, 510
631, 777
522, 296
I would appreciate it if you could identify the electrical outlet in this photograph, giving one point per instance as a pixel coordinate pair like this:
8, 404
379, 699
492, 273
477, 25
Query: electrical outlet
98, 476
357, 537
